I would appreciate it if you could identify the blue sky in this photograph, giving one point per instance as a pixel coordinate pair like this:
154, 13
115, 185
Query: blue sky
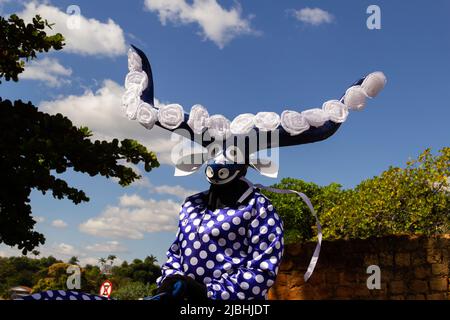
254, 55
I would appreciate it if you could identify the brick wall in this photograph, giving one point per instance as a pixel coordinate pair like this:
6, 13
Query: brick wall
411, 268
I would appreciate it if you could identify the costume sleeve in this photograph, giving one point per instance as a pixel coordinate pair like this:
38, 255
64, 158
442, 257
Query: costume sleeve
173, 264
259, 268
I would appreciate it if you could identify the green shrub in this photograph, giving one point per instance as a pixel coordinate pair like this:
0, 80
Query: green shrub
413, 200
134, 291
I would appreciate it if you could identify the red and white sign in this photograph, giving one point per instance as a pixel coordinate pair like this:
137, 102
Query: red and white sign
106, 289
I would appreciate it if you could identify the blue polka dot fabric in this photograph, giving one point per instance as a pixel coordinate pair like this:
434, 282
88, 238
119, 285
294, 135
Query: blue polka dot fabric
62, 295
235, 252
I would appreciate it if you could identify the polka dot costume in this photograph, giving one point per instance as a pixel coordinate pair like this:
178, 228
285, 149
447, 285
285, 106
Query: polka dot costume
235, 252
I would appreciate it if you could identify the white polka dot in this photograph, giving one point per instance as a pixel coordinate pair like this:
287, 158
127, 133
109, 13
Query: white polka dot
251, 202
207, 280
256, 290
176, 265
269, 250
225, 295
210, 264
273, 260
217, 273
271, 222
227, 266
278, 230
255, 223
247, 215
187, 204
193, 215
230, 212
200, 271
263, 230
206, 217
201, 229
236, 220
181, 236
191, 236
220, 257
210, 224
247, 275
182, 216
236, 260
230, 288
269, 283
215, 232
272, 237
241, 295
188, 228
236, 246
203, 254
278, 245
212, 248
210, 294
226, 226
276, 216
264, 265
261, 200
174, 247
242, 254
216, 287
220, 217
193, 261
263, 246
222, 242
232, 236
255, 239
228, 251
205, 238
244, 285
197, 245
259, 278
190, 209
216, 211
184, 243
241, 231
185, 267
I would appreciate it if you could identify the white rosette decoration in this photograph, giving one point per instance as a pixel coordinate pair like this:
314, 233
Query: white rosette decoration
171, 116
336, 110
147, 115
374, 83
243, 123
355, 98
294, 122
130, 103
198, 118
316, 117
218, 126
136, 80
267, 121
134, 61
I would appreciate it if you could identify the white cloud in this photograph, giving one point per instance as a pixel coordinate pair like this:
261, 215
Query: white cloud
217, 23
65, 250
107, 247
177, 191
133, 217
313, 16
48, 70
91, 38
101, 112
58, 223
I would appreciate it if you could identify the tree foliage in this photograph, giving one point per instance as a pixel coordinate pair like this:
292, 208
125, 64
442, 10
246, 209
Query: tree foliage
36, 146
20, 43
411, 200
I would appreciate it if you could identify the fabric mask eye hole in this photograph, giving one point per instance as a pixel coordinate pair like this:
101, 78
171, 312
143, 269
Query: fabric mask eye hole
209, 172
223, 173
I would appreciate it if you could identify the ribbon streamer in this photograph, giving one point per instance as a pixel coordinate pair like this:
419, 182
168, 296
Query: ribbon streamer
304, 197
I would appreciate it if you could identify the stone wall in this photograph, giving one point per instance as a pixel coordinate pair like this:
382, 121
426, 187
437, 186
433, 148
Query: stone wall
411, 268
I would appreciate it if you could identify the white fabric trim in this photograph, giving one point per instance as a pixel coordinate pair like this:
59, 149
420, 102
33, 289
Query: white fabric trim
147, 115
243, 123
374, 83
267, 121
171, 116
355, 98
218, 126
316, 117
336, 110
294, 122
197, 118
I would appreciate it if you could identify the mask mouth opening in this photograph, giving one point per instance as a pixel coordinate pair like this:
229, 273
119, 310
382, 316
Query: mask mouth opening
220, 174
